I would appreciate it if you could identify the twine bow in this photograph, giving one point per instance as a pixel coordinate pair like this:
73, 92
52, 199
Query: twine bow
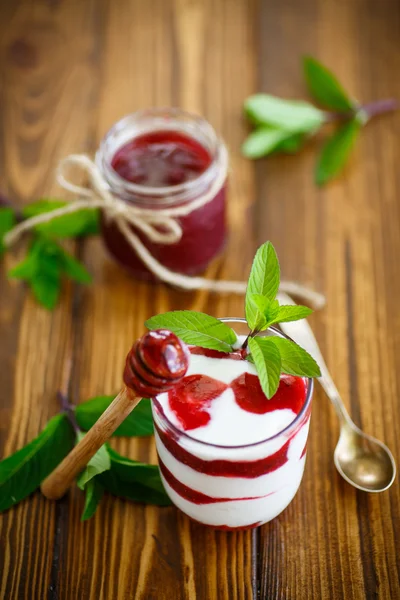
97, 194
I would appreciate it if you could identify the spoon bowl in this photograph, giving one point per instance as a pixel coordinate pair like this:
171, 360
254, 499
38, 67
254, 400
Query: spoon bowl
364, 461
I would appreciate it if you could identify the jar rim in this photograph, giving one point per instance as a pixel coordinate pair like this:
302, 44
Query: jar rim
168, 121
298, 418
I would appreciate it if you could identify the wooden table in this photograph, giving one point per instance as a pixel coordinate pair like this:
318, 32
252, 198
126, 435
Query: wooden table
68, 71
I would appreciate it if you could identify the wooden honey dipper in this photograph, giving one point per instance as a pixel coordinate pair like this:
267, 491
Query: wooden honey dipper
155, 364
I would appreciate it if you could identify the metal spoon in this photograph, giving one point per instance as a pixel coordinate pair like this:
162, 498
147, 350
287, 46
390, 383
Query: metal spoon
361, 459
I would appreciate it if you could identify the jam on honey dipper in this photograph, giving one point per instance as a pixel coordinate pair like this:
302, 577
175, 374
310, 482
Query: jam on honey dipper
155, 364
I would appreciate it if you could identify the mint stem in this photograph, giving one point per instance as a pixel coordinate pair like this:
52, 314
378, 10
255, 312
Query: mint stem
246, 341
68, 409
380, 106
372, 109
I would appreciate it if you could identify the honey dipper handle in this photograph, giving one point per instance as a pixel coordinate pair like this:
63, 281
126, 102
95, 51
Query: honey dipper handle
59, 481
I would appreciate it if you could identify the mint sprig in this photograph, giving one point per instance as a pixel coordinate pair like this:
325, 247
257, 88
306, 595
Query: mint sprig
270, 356
273, 355
46, 263
22, 472
196, 328
285, 125
44, 267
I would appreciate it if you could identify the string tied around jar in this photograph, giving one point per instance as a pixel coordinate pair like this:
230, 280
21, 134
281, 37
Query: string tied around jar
159, 226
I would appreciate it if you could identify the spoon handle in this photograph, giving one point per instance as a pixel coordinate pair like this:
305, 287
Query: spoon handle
302, 334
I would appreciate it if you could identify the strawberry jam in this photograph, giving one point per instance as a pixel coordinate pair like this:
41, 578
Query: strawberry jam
161, 159
170, 160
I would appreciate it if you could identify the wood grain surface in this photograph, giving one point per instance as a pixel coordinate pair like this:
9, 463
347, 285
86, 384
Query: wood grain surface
68, 71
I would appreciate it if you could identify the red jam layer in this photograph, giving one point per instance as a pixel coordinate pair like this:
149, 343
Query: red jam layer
226, 468
161, 159
191, 398
192, 495
165, 159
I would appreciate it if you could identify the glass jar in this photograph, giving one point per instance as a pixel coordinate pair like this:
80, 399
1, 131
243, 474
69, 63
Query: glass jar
163, 158
233, 487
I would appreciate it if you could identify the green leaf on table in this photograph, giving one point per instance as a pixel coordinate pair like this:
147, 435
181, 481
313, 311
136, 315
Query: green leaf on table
22, 472
80, 223
295, 116
75, 269
93, 494
336, 151
324, 86
7, 222
295, 360
134, 480
291, 144
43, 268
268, 364
46, 289
99, 463
196, 328
132, 470
265, 140
138, 423
264, 280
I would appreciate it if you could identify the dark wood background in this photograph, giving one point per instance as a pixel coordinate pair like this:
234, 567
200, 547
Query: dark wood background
68, 71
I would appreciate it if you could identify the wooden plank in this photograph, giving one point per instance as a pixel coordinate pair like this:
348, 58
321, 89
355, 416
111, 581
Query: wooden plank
38, 98
87, 64
334, 542
158, 53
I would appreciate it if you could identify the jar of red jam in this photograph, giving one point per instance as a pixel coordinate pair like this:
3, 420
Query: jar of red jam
162, 158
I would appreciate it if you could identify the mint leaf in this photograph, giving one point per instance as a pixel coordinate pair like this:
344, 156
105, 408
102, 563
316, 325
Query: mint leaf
7, 222
134, 480
291, 313
268, 364
99, 463
291, 144
143, 473
94, 492
196, 328
336, 151
46, 289
43, 268
80, 223
26, 269
324, 86
138, 423
75, 269
267, 311
295, 360
22, 472
263, 141
264, 280
294, 116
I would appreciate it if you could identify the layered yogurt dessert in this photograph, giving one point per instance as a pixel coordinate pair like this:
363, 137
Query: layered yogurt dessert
228, 456
231, 436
